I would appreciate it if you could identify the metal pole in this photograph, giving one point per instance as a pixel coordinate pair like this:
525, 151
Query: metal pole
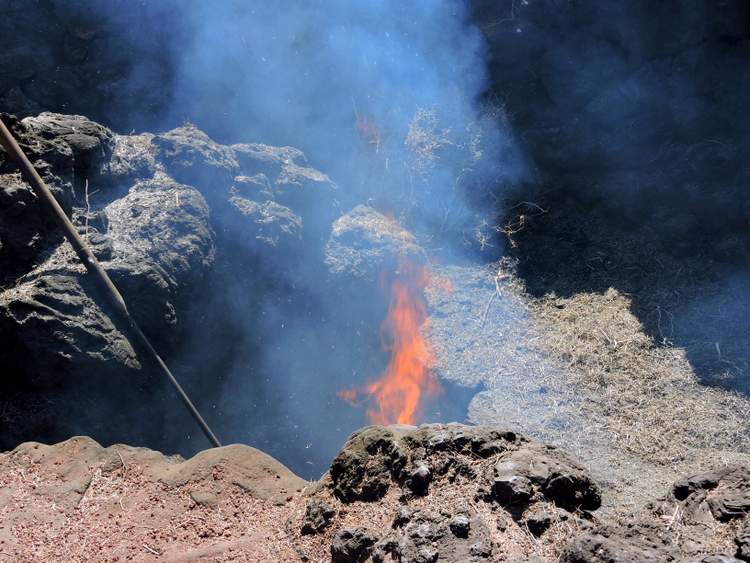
94, 268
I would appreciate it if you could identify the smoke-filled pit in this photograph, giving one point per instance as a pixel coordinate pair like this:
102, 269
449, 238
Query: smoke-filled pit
294, 157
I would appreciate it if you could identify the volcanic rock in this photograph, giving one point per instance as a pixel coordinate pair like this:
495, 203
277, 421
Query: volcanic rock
365, 243
684, 525
159, 241
538, 520
376, 458
156, 237
318, 516
420, 477
364, 468
133, 158
290, 181
429, 536
238, 502
523, 474
91, 144
192, 157
24, 224
268, 223
352, 545
460, 526
743, 543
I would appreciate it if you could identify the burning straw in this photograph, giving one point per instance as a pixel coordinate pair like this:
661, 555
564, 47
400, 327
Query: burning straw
398, 396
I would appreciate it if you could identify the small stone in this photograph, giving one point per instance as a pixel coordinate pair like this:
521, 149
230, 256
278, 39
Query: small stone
352, 545
204, 498
318, 516
421, 476
481, 549
539, 520
427, 555
403, 516
743, 543
460, 526
512, 489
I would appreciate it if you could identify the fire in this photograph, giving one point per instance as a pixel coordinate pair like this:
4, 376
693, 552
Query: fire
399, 394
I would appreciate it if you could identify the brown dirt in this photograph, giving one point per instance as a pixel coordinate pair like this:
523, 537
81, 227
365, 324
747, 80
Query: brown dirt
78, 501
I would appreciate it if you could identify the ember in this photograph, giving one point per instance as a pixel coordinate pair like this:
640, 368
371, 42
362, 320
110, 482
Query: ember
398, 396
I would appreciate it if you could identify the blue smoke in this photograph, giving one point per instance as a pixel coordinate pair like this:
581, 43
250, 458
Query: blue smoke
387, 98
344, 81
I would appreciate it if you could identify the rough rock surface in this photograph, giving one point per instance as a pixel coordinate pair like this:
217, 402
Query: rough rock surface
155, 211
463, 512
364, 243
236, 502
704, 518
78, 500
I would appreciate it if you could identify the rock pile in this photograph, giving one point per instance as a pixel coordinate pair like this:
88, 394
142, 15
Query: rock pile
445, 492
155, 209
483, 494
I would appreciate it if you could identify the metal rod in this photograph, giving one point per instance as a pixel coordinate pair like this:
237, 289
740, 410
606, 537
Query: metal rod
94, 268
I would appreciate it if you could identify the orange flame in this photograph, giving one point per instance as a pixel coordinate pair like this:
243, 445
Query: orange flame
398, 395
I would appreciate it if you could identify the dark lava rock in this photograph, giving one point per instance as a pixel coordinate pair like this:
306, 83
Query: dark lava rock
91, 144
539, 519
509, 488
365, 243
284, 176
133, 158
402, 517
363, 468
318, 516
460, 526
265, 199
156, 237
160, 244
481, 549
24, 224
352, 545
742, 539
266, 224
542, 472
520, 472
376, 457
536, 484
431, 536
419, 478
192, 157
683, 526
688, 486
45, 152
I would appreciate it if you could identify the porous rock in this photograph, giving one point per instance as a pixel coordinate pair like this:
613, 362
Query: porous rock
158, 242
352, 545
192, 157
429, 536
376, 458
291, 182
682, 526
269, 224
318, 516
91, 144
364, 243
542, 472
156, 237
